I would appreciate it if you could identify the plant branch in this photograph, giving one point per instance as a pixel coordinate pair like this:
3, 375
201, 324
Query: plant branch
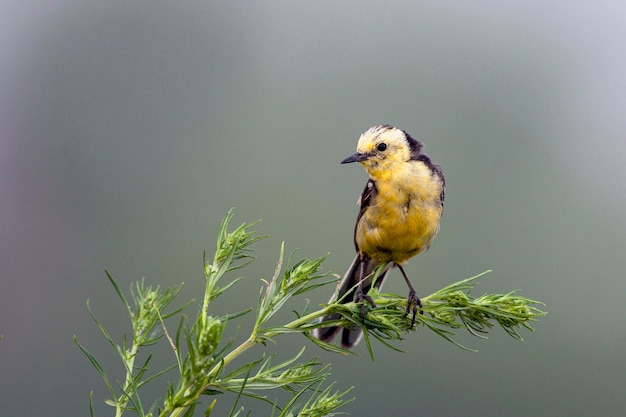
204, 362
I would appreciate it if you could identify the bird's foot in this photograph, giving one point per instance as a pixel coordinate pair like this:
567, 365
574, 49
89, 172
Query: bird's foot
413, 301
360, 297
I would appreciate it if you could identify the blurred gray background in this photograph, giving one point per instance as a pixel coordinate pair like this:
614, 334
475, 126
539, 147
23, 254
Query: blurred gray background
128, 129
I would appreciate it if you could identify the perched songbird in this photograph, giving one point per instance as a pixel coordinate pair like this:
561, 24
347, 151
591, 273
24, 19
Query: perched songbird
399, 215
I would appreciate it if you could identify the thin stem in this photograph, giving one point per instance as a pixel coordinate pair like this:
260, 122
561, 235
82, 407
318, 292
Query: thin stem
130, 363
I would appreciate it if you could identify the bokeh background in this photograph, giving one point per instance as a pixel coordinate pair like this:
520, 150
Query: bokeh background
128, 129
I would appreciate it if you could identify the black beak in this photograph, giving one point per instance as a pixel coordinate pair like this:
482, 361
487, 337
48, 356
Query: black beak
357, 157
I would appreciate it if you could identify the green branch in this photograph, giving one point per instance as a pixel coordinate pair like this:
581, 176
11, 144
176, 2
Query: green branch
204, 363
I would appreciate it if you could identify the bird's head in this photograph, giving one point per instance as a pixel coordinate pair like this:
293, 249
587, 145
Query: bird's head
382, 148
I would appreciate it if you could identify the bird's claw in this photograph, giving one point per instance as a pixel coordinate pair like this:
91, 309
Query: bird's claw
414, 301
360, 297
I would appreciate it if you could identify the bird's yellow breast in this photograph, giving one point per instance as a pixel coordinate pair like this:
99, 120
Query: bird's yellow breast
403, 216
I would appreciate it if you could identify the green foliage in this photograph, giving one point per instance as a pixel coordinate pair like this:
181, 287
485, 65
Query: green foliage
204, 361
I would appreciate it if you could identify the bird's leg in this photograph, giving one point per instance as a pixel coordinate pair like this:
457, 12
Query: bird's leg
360, 296
412, 299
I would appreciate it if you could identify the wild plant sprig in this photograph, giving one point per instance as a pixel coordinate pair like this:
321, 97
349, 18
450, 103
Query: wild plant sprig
232, 247
444, 311
145, 314
207, 365
203, 370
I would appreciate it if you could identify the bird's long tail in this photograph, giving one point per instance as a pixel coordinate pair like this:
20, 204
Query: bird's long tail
345, 293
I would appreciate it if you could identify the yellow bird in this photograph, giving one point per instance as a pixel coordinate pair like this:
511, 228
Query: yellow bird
399, 215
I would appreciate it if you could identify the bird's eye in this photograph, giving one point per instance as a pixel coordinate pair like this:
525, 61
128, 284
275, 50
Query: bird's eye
381, 146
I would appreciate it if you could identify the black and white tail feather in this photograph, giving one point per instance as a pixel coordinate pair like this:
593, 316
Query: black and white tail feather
346, 291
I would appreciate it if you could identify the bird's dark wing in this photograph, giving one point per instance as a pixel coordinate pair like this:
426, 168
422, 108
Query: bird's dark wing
366, 199
439, 172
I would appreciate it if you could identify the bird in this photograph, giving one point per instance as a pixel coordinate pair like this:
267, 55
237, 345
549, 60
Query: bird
399, 216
